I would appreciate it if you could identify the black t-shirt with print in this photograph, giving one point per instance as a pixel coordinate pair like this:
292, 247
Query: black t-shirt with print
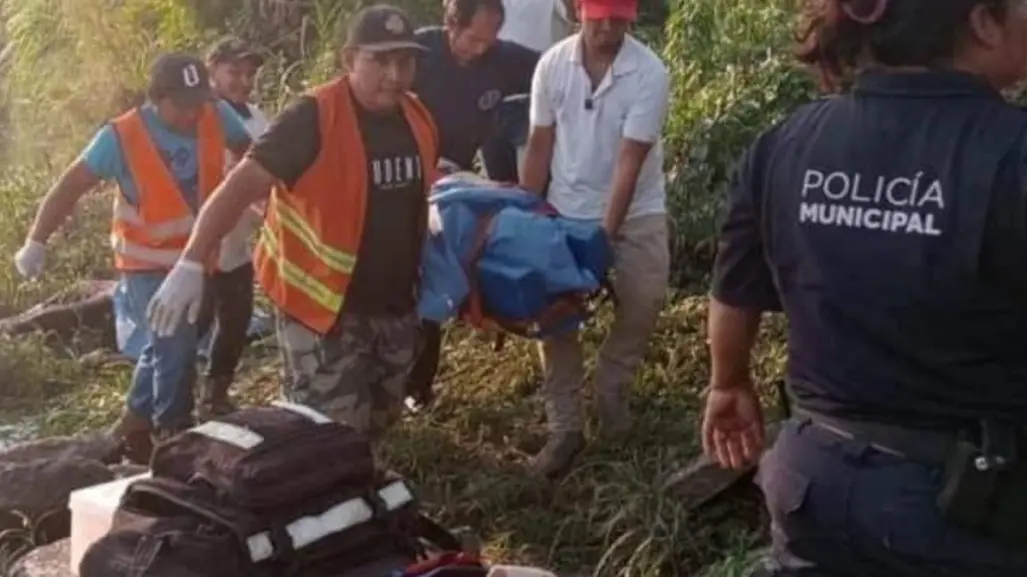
386, 276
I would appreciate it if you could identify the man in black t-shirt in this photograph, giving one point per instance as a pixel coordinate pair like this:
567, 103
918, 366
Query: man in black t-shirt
349, 332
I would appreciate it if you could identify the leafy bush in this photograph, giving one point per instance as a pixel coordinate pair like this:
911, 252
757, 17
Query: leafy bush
96, 54
733, 76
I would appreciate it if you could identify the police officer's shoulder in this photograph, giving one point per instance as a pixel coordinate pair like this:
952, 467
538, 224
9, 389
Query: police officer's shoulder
801, 120
793, 127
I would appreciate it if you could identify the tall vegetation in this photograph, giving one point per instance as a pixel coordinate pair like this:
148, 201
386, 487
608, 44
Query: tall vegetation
733, 76
67, 65
70, 64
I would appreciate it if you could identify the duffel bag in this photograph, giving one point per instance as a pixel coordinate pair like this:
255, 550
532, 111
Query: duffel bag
265, 457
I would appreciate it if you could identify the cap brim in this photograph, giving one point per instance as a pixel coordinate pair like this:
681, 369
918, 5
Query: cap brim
603, 12
391, 46
192, 97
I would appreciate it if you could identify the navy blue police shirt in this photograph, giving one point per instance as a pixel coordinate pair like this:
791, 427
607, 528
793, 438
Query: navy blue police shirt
890, 226
464, 99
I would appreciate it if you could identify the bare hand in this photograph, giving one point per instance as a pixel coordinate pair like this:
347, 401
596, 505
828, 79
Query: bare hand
732, 428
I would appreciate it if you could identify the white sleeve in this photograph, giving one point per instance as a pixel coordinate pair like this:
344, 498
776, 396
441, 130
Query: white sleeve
542, 112
648, 111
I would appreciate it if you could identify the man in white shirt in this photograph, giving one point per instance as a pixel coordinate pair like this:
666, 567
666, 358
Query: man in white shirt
598, 105
537, 25
233, 66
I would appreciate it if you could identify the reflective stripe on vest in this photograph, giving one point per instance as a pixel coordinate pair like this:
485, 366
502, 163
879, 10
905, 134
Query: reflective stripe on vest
313, 229
153, 233
161, 257
295, 276
333, 258
346, 515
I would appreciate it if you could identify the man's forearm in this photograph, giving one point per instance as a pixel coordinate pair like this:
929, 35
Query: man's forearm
248, 183
620, 200
537, 160
732, 334
60, 201
625, 178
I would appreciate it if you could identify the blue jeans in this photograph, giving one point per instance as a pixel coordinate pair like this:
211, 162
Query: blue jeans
162, 384
839, 508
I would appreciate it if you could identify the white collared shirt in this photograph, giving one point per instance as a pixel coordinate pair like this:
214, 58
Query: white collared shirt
235, 247
630, 102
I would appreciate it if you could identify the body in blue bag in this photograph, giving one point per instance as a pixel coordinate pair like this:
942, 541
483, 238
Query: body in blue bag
889, 225
528, 258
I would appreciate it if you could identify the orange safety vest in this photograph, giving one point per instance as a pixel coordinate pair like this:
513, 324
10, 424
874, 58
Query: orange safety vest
310, 240
152, 235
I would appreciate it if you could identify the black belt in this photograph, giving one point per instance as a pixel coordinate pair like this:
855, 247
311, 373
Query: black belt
920, 445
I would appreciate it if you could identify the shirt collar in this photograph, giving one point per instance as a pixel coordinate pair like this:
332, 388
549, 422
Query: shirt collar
242, 110
626, 60
932, 83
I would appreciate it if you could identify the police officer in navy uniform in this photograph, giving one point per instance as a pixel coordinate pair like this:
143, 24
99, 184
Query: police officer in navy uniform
889, 224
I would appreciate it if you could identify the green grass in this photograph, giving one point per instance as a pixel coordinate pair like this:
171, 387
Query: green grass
610, 516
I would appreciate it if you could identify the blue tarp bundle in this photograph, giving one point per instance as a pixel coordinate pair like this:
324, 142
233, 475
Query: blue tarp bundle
529, 259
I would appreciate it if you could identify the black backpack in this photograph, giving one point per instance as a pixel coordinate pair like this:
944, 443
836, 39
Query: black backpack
272, 491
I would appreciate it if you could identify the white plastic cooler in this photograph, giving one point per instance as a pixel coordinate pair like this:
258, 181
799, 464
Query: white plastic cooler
92, 510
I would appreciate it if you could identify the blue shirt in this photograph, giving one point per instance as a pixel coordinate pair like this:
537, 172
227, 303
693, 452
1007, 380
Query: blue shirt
463, 99
890, 226
103, 155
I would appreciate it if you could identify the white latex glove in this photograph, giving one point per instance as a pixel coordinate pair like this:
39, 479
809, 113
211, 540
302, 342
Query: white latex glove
180, 295
29, 260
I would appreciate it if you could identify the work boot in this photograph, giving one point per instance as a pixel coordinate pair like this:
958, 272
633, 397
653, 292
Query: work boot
555, 459
214, 401
133, 432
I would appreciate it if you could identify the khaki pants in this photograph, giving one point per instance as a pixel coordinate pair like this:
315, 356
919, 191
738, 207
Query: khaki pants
642, 270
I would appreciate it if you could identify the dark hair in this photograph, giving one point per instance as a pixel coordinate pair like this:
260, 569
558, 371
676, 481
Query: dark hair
838, 37
462, 12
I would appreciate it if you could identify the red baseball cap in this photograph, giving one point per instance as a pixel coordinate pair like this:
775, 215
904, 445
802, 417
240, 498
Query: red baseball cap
600, 9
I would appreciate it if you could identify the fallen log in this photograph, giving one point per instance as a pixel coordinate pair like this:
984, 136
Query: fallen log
98, 447
42, 486
86, 307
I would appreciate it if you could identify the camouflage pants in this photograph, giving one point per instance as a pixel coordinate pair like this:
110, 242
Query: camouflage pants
356, 373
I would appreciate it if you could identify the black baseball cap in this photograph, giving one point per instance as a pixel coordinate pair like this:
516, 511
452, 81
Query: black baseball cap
233, 49
181, 77
382, 28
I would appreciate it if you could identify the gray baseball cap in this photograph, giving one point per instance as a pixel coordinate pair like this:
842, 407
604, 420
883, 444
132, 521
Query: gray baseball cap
181, 77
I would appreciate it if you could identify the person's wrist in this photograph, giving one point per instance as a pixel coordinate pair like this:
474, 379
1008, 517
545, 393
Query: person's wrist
731, 384
35, 242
